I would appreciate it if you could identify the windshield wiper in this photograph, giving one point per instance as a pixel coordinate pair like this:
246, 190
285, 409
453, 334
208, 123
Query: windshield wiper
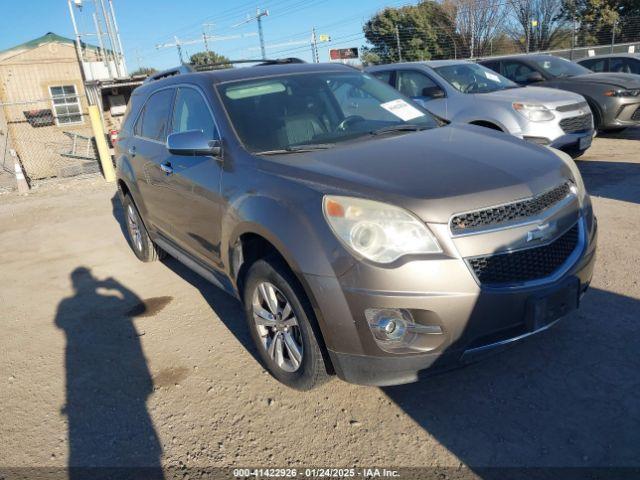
297, 149
398, 128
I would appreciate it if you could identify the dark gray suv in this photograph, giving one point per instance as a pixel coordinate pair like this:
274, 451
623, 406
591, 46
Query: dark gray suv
370, 244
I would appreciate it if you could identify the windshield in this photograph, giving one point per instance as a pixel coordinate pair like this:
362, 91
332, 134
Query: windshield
317, 110
473, 78
559, 67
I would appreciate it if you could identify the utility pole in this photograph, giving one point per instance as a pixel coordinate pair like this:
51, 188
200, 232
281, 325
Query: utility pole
258, 17
613, 35
398, 44
206, 36
314, 45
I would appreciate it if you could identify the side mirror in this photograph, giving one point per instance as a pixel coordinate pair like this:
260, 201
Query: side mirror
534, 77
433, 92
193, 142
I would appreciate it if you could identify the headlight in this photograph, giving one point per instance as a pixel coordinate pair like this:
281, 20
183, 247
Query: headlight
377, 231
535, 113
623, 93
578, 187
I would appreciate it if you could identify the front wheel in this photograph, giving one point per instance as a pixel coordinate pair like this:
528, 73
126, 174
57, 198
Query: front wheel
279, 318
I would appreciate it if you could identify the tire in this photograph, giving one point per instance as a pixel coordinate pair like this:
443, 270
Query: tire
302, 367
137, 234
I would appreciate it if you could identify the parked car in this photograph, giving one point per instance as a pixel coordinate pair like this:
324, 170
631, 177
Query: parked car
614, 62
465, 92
373, 245
613, 97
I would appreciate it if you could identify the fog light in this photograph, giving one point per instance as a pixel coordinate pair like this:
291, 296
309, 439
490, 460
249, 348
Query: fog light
388, 325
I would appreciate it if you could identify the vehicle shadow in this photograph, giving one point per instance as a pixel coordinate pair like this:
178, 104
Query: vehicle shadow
108, 382
569, 396
615, 180
227, 308
629, 133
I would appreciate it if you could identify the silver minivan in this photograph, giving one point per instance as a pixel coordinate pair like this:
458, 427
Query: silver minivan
465, 92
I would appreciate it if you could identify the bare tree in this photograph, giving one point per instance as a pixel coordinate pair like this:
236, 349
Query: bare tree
478, 22
536, 24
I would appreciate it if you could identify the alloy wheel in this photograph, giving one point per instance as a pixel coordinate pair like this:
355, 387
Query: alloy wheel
134, 228
277, 327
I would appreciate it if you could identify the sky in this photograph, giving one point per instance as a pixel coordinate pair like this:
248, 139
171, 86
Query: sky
146, 23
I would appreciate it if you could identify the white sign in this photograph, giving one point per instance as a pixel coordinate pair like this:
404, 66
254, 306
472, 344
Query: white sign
632, 49
402, 109
492, 76
591, 53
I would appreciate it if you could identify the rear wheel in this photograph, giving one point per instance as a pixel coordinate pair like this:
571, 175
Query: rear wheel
139, 239
280, 321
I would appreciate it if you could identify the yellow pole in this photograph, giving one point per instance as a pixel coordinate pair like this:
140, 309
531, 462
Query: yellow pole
101, 143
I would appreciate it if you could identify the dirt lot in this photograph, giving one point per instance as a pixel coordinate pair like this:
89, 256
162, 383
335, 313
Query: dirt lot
108, 361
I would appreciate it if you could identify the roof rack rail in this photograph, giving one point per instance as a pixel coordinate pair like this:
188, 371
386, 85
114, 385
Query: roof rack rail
184, 68
258, 62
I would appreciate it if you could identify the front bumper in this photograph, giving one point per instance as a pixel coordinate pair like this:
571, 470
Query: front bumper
474, 321
619, 112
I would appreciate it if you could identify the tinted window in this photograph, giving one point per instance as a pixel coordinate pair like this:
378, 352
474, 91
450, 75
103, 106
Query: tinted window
596, 64
383, 76
155, 116
495, 66
191, 113
558, 67
624, 65
516, 71
412, 83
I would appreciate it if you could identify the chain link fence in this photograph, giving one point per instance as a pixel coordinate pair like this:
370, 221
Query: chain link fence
50, 137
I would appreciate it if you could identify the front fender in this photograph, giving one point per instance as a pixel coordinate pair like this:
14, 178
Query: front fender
298, 231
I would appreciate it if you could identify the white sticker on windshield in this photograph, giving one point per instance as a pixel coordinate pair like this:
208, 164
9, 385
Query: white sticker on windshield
402, 109
492, 76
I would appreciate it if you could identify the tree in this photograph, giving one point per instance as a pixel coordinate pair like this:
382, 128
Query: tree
209, 57
424, 31
477, 22
146, 71
537, 24
597, 20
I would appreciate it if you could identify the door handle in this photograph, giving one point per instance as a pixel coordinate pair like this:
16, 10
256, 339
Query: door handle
166, 168
132, 151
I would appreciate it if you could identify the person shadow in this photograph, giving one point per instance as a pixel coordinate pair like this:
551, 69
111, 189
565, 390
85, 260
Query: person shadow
111, 434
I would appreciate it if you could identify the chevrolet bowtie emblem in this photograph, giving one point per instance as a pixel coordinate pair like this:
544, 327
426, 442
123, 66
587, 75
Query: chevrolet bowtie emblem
542, 232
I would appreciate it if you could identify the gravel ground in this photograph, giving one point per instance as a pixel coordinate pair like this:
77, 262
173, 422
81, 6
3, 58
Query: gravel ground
108, 361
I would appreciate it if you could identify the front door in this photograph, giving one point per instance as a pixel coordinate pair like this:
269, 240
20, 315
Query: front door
193, 203
423, 90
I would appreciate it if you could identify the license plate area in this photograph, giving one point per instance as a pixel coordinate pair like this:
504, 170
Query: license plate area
546, 309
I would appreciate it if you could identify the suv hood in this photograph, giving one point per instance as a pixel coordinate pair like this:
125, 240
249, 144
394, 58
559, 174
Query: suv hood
434, 173
623, 80
549, 97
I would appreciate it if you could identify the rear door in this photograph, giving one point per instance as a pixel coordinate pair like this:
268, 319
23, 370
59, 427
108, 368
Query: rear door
193, 203
147, 147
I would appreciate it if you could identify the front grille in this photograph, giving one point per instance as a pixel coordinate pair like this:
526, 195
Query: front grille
490, 217
636, 114
525, 265
571, 107
576, 124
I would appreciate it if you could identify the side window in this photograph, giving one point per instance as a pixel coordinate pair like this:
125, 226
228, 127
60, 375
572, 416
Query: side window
596, 65
493, 65
416, 84
516, 71
137, 129
191, 113
383, 76
624, 65
155, 116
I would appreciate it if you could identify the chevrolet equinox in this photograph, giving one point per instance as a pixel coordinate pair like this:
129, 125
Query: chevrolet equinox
371, 242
